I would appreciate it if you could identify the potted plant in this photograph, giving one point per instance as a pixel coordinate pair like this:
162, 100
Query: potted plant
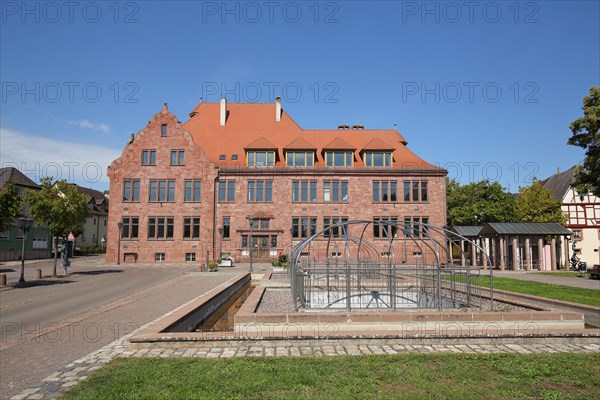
212, 266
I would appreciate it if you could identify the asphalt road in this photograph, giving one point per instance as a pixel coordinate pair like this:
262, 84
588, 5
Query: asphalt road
47, 324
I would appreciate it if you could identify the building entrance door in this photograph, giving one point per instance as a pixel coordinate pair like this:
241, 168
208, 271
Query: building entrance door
260, 247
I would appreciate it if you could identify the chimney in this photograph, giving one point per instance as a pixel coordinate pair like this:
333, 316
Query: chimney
223, 113
277, 109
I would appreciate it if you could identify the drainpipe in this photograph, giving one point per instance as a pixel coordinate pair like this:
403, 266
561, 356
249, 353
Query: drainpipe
214, 228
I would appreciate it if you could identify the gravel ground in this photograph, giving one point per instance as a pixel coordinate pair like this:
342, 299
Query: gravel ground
280, 301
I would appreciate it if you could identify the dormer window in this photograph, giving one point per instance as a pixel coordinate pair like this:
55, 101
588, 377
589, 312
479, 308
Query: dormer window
378, 158
300, 158
339, 158
261, 158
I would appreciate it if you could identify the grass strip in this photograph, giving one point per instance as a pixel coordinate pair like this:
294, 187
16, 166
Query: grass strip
403, 376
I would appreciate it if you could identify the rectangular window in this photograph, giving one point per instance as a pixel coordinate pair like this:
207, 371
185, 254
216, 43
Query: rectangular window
177, 157
335, 191
192, 190
303, 227
304, 191
378, 159
413, 227
131, 190
339, 158
226, 227
191, 227
148, 157
159, 256
130, 228
300, 158
160, 228
162, 190
163, 130
385, 191
4, 235
190, 257
335, 231
261, 224
260, 191
385, 226
261, 158
415, 191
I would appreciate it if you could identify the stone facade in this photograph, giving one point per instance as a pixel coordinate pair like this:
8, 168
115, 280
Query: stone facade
215, 154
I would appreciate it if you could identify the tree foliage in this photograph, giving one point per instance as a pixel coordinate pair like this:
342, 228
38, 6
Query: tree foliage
536, 204
10, 205
478, 203
60, 205
586, 134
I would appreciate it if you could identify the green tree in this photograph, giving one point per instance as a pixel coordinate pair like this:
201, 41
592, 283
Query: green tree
478, 203
59, 205
10, 205
536, 204
586, 135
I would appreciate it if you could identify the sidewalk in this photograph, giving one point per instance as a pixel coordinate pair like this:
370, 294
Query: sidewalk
579, 282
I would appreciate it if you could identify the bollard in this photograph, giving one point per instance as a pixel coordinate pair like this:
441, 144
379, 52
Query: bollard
2, 279
38, 274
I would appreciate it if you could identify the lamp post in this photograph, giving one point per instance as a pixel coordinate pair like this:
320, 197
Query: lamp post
251, 221
221, 242
120, 225
102, 245
25, 224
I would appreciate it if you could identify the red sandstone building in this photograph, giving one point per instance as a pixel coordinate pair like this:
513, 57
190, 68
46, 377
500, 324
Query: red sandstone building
183, 192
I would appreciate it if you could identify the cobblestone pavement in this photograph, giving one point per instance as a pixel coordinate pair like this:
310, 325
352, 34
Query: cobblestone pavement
55, 384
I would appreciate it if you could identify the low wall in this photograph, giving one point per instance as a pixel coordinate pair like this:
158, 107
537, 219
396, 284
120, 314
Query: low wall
401, 323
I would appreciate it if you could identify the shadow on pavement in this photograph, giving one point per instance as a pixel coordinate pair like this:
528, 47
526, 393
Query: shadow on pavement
40, 282
98, 272
5, 270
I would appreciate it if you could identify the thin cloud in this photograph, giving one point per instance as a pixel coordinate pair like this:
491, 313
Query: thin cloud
38, 156
86, 124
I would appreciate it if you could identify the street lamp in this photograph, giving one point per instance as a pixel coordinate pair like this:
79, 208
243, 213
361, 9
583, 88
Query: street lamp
221, 242
120, 225
102, 244
251, 221
25, 224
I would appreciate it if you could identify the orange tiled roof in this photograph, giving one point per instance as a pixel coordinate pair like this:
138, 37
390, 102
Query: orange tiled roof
338, 144
247, 123
260, 144
377, 144
300, 144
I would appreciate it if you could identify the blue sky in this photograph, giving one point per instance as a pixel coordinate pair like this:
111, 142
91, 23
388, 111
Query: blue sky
485, 89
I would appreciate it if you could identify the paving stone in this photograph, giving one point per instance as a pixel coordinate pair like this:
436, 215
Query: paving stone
353, 350
364, 349
36, 396
388, 349
376, 349
69, 384
189, 353
340, 350
294, 351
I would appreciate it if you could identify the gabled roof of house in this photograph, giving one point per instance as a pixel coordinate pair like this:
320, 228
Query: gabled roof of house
300, 144
17, 177
95, 198
247, 122
378, 144
338, 144
524, 228
559, 183
260, 144
467, 230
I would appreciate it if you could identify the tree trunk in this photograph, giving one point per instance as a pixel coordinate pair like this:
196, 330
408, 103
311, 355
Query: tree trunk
55, 255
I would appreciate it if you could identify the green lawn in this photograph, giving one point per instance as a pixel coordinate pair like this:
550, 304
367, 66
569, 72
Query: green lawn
406, 376
570, 274
559, 292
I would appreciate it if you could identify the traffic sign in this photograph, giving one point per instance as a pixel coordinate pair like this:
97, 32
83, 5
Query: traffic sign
71, 237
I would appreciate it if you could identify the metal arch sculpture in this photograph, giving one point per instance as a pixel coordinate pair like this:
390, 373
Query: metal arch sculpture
362, 276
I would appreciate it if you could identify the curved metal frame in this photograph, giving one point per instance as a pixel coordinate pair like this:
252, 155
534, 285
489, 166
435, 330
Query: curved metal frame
428, 245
